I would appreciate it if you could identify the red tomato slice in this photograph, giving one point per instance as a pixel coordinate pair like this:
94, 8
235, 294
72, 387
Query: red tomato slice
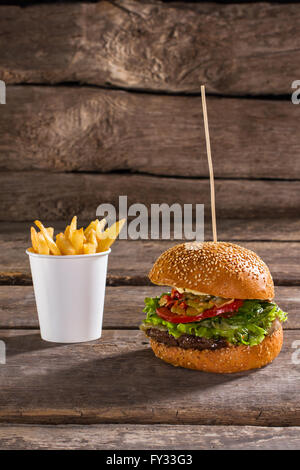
166, 314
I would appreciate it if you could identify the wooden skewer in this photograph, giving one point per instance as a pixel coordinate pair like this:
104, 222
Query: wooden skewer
210, 165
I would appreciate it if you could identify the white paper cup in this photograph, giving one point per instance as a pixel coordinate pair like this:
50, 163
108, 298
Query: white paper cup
69, 293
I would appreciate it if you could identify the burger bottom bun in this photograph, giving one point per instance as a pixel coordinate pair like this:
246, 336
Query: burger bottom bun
224, 360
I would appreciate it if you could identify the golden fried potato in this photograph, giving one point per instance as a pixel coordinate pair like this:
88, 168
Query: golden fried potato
50, 230
77, 240
34, 240
109, 236
43, 245
51, 243
64, 245
74, 241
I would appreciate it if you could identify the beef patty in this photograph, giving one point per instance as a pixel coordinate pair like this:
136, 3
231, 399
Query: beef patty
185, 341
192, 341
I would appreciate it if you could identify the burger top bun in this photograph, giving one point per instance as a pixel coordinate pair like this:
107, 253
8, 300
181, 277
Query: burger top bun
216, 268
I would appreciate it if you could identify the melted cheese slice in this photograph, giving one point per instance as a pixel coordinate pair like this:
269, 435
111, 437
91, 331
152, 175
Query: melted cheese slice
195, 292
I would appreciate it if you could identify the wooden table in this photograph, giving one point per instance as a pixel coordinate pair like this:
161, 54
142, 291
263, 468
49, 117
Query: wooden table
114, 394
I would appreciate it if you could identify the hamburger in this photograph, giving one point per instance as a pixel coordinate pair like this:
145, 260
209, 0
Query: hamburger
217, 313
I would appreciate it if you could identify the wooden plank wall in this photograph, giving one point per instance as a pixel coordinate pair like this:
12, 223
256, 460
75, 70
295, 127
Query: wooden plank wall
112, 87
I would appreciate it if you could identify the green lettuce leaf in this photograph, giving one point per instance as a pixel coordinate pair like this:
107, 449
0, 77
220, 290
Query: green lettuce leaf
249, 326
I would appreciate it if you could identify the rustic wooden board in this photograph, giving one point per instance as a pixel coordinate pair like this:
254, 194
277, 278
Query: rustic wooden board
163, 47
130, 261
229, 229
123, 306
139, 437
89, 129
118, 380
29, 195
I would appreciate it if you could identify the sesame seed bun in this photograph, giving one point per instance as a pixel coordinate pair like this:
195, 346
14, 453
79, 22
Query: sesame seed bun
216, 268
225, 360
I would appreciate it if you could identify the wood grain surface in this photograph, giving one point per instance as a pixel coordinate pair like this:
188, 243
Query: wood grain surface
30, 195
89, 129
230, 229
154, 437
118, 380
123, 306
130, 261
237, 49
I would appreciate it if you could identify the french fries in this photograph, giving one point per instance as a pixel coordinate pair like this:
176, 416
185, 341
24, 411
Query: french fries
71, 229
109, 236
50, 230
54, 250
99, 228
64, 245
34, 240
39, 243
74, 241
91, 246
43, 246
78, 240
